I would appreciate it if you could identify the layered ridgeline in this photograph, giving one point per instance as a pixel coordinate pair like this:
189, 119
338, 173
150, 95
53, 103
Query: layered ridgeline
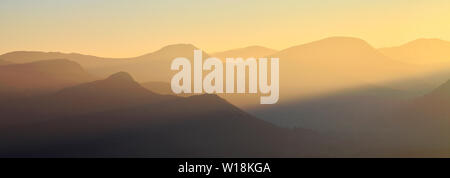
153, 66
86, 61
118, 117
68, 113
336, 63
384, 122
314, 68
428, 52
40, 77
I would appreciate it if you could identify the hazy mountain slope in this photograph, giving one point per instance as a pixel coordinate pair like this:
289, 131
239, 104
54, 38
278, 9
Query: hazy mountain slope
347, 111
250, 51
309, 69
314, 68
350, 61
42, 76
423, 125
158, 87
442, 92
117, 117
3, 62
117, 91
200, 126
437, 102
431, 52
382, 122
154, 66
86, 61
335, 63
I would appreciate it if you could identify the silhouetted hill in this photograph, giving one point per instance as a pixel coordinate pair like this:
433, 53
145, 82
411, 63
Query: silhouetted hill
422, 51
41, 76
198, 126
117, 117
117, 91
158, 87
250, 51
170, 52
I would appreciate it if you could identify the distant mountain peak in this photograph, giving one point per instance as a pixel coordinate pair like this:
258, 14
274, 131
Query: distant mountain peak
343, 40
246, 52
350, 38
338, 46
118, 85
252, 47
179, 45
171, 50
121, 76
56, 64
43, 76
176, 48
424, 51
422, 42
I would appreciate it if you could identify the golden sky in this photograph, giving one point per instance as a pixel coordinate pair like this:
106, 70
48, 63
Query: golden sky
127, 28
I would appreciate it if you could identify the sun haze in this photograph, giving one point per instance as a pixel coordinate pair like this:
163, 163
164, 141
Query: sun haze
130, 28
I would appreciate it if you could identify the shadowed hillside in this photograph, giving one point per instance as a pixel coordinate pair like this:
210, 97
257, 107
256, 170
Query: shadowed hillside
382, 122
348, 111
335, 63
117, 91
40, 77
163, 88
423, 125
118, 117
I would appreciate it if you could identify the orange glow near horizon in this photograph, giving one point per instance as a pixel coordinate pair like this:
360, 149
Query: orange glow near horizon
132, 28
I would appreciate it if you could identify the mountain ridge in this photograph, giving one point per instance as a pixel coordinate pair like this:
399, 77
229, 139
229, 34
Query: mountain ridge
46, 75
421, 51
245, 52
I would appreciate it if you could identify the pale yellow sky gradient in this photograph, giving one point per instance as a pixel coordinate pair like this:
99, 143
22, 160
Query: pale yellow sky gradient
129, 28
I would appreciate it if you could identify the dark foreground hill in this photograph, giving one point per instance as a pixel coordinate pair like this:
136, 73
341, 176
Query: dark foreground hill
116, 117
